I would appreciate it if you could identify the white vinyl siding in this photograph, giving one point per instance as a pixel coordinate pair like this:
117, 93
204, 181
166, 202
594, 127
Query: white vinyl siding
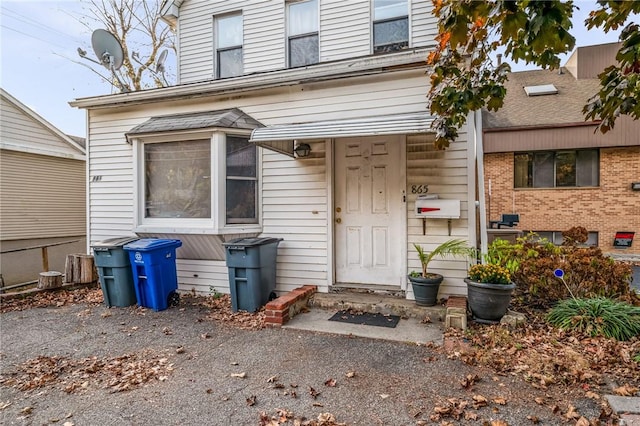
445, 172
424, 26
263, 26
345, 32
344, 29
41, 196
294, 193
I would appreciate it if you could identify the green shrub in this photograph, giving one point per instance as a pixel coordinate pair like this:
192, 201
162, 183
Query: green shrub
597, 317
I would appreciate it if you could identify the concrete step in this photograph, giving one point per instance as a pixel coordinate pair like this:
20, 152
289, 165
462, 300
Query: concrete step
383, 303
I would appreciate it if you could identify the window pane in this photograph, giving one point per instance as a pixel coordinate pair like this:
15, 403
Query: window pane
566, 168
523, 171
390, 36
543, 176
229, 31
229, 63
385, 9
241, 201
178, 179
587, 168
303, 17
303, 51
241, 157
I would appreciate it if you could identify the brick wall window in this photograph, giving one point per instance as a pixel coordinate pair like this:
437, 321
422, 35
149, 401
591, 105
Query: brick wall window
556, 237
557, 169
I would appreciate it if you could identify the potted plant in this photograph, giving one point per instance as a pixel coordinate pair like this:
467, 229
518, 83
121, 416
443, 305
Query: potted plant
426, 284
489, 284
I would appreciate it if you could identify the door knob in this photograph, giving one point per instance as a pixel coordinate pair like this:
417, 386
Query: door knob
338, 220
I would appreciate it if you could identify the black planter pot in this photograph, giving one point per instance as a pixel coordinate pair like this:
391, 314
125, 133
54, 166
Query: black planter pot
425, 290
488, 302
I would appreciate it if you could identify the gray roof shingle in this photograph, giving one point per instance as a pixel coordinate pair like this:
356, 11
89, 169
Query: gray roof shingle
562, 108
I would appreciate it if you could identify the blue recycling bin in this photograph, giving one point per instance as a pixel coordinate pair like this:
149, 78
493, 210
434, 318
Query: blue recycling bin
252, 271
153, 262
114, 271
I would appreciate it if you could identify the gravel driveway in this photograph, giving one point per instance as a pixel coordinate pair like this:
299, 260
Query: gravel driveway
203, 372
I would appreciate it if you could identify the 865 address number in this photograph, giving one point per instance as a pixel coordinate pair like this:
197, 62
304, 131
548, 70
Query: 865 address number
419, 189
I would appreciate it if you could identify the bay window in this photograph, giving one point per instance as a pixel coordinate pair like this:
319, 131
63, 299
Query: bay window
203, 182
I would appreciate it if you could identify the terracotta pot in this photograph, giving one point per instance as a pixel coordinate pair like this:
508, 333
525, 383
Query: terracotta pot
488, 302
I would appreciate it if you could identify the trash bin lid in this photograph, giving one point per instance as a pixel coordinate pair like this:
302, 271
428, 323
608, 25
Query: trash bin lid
148, 244
251, 241
113, 243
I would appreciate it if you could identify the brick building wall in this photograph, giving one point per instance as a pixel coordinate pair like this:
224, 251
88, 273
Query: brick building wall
609, 208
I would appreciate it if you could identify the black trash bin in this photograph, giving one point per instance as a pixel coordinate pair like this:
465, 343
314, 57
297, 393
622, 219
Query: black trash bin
252, 271
114, 271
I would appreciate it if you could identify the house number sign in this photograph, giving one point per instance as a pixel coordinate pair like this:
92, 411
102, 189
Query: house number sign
419, 189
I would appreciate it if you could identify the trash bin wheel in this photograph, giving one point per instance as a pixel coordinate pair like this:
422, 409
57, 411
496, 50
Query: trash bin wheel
173, 299
272, 296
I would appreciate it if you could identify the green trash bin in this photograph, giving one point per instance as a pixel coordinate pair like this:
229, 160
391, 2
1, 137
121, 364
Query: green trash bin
114, 270
252, 271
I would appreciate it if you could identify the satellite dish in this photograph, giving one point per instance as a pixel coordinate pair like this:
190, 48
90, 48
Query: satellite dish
109, 52
160, 62
107, 48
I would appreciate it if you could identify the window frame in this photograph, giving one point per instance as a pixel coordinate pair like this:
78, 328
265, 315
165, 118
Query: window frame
217, 223
217, 49
289, 37
531, 163
385, 20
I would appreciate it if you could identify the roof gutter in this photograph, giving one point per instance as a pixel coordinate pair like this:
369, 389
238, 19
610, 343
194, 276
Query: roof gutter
369, 65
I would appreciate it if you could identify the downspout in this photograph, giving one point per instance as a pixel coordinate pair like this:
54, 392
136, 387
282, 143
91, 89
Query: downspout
482, 210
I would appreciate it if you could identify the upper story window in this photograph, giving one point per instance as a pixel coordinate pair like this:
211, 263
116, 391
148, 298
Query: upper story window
302, 33
198, 181
390, 25
228, 36
557, 169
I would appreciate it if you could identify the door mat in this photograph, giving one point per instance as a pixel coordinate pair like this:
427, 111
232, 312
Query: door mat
365, 318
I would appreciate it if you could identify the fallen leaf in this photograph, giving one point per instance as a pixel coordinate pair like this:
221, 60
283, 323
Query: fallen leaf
500, 400
167, 331
572, 413
239, 375
317, 404
582, 422
209, 391
272, 379
384, 396
539, 400
330, 383
351, 374
534, 419
314, 393
251, 401
625, 390
592, 395
180, 350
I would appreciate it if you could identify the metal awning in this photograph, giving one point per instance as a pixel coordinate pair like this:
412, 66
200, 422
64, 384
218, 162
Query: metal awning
281, 138
232, 118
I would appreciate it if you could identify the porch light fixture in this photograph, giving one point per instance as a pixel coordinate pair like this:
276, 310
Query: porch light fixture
635, 186
302, 150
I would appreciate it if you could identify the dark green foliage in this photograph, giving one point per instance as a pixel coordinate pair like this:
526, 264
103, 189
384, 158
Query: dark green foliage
597, 317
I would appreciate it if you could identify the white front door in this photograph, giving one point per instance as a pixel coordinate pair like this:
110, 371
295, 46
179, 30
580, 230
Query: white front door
369, 210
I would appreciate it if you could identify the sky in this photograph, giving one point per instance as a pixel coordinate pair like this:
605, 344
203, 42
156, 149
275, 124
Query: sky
40, 66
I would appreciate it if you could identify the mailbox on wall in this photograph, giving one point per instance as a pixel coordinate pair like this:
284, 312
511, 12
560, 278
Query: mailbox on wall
430, 206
